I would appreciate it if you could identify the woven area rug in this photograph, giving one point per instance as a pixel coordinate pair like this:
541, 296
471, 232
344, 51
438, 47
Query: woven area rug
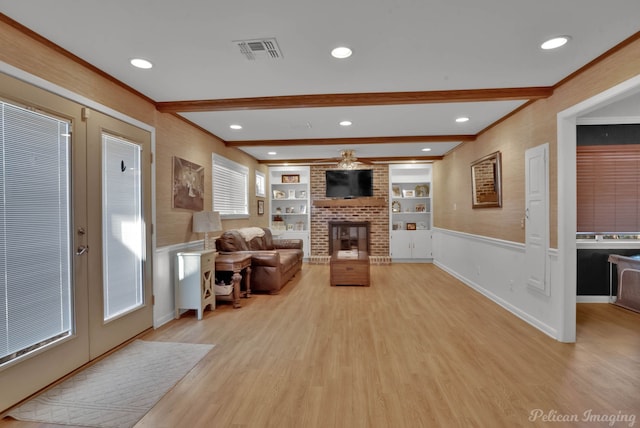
117, 391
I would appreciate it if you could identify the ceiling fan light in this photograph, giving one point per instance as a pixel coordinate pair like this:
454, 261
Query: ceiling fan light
555, 42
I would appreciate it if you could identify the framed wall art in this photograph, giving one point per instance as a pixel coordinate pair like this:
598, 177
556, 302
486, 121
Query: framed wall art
188, 185
486, 182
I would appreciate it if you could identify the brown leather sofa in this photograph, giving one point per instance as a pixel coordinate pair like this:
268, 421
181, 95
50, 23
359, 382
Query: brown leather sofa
273, 262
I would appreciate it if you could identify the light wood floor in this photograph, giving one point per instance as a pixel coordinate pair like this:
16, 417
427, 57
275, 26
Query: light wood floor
416, 349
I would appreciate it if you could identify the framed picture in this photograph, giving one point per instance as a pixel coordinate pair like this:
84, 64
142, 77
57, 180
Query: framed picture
292, 194
421, 208
408, 193
486, 182
303, 209
411, 226
422, 191
302, 194
278, 194
291, 178
260, 207
396, 191
188, 185
397, 225
290, 226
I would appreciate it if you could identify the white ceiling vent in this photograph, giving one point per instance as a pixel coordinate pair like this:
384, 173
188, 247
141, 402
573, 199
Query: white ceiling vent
259, 49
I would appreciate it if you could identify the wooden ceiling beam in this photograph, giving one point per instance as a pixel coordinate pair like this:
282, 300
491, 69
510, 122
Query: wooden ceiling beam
353, 141
356, 99
371, 160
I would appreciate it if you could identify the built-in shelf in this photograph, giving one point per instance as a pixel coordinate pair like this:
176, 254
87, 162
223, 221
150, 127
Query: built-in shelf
355, 202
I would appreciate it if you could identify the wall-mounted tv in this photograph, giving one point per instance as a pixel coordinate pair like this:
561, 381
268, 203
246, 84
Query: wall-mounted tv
349, 183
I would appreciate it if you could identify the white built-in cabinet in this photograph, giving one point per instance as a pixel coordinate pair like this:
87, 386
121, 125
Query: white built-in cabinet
290, 211
410, 212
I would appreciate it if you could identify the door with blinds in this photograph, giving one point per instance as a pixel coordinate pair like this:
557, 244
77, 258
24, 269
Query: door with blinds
119, 212
75, 280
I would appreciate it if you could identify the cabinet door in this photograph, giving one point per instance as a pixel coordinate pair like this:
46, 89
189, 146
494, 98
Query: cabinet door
400, 244
421, 244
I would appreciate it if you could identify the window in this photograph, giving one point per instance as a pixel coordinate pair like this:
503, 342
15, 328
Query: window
122, 226
261, 184
230, 184
35, 238
608, 189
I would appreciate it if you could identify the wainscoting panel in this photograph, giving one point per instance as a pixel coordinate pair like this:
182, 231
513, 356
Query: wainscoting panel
495, 268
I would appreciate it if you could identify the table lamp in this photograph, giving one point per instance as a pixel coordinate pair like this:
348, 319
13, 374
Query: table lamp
207, 222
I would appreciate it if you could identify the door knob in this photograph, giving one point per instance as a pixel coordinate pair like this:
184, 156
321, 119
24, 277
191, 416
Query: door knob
81, 250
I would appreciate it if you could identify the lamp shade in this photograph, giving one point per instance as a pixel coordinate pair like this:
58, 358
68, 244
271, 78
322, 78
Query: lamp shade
207, 221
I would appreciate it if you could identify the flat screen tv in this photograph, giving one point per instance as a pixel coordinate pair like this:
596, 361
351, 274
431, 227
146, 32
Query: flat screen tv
349, 183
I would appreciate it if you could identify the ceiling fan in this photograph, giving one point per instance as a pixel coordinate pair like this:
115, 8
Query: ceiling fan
348, 160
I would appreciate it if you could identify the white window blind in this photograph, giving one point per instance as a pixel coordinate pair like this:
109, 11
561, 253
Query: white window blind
230, 187
608, 189
122, 226
35, 235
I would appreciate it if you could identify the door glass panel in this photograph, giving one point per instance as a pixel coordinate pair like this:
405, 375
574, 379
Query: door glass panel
35, 235
122, 226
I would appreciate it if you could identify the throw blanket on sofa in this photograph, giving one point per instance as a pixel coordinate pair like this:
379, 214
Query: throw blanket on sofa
248, 233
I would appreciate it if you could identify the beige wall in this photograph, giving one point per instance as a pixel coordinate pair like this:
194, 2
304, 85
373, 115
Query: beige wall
174, 137
532, 126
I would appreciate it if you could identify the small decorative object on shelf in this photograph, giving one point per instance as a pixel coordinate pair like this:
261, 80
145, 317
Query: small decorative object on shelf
398, 225
420, 208
396, 191
302, 194
278, 194
291, 178
292, 194
422, 191
411, 226
408, 193
395, 207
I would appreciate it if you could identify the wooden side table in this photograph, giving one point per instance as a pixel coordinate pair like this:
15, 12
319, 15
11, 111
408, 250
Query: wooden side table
236, 263
349, 268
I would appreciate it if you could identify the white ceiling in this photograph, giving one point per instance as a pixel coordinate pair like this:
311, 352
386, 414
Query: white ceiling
398, 45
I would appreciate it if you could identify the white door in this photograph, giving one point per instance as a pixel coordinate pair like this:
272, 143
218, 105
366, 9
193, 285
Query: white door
537, 218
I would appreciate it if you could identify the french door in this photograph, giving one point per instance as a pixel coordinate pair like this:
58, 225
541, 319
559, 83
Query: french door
85, 289
119, 245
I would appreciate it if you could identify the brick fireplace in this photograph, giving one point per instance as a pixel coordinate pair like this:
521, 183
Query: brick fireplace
352, 211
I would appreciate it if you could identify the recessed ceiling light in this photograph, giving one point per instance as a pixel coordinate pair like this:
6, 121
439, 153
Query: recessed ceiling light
555, 42
426, 149
462, 119
346, 123
272, 153
141, 63
235, 126
341, 52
